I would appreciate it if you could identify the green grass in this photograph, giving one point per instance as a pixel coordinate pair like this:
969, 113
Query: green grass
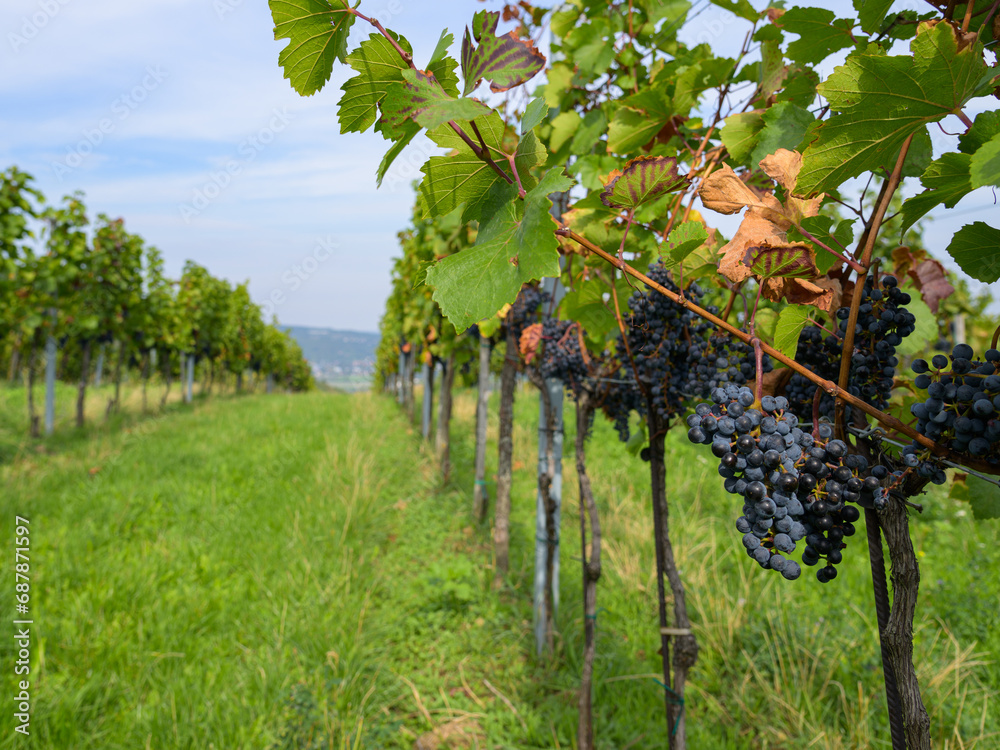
287, 572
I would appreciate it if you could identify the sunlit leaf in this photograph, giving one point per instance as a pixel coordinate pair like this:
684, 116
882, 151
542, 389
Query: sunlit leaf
515, 245
881, 100
506, 61
644, 179
317, 31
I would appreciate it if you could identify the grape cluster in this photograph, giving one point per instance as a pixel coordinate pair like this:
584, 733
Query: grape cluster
819, 352
621, 397
795, 486
962, 408
882, 324
659, 333
718, 360
562, 357
525, 310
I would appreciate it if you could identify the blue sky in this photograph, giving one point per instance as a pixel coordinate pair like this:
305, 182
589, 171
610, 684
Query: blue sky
142, 105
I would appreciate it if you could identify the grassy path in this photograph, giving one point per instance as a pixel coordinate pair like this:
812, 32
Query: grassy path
286, 573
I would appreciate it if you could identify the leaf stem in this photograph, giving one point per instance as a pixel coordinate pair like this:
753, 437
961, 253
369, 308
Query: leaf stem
868, 238
482, 152
407, 57
843, 258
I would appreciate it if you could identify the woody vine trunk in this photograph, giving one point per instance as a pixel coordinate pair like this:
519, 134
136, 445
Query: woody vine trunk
33, 420
684, 642
442, 438
81, 391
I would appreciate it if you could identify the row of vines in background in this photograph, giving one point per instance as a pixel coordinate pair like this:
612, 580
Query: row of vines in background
92, 301
802, 350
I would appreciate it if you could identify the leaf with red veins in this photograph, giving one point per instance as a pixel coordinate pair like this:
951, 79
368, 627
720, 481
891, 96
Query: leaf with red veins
531, 337
507, 61
754, 231
787, 260
644, 179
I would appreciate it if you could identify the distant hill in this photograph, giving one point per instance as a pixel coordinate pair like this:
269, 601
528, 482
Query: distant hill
337, 355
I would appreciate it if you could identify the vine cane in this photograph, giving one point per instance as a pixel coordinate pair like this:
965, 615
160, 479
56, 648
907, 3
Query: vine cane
881, 588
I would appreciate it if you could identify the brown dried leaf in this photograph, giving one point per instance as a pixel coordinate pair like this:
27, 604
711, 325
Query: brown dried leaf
798, 292
774, 382
754, 231
725, 192
929, 277
783, 167
531, 337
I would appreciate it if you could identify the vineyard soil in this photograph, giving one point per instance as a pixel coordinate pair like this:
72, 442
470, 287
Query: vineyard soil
268, 572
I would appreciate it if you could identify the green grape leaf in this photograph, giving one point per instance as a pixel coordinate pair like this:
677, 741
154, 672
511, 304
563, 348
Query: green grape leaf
800, 87
589, 170
785, 261
785, 126
443, 67
419, 97
947, 181
984, 129
462, 177
821, 227
671, 10
820, 32
881, 100
984, 498
507, 61
976, 249
378, 66
685, 239
589, 133
644, 179
741, 133
536, 111
791, 321
410, 130
985, 167
560, 79
515, 245
871, 13
587, 306
564, 126
317, 33
741, 8
637, 123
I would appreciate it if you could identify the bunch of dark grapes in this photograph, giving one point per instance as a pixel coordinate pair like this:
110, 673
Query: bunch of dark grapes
562, 357
659, 336
819, 352
526, 309
794, 486
883, 322
882, 325
962, 408
721, 359
620, 398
